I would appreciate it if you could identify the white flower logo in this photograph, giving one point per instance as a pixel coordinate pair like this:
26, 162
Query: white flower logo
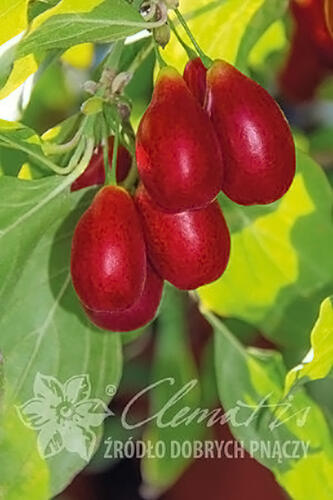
64, 415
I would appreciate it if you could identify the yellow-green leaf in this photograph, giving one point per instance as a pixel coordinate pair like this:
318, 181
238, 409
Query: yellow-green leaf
72, 22
21, 475
13, 18
227, 29
319, 361
280, 254
79, 56
21, 70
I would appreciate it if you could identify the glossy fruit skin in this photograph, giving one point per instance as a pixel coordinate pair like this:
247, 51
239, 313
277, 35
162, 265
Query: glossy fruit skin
95, 172
108, 260
189, 249
178, 155
195, 77
255, 138
139, 314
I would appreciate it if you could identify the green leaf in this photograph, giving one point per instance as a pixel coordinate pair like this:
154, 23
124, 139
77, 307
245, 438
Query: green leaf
28, 209
18, 137
273, 40
68, 23
15, 71
281, 266
234, 28
73, 22
319, 361
6, 64
13, 18
37, 7
22, 475
173, 371
44, 330
250, 385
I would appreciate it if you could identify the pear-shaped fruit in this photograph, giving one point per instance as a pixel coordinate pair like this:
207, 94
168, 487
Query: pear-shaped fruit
255, 139
190, 248
195, 75
311, 19
310, 59
139, 314
95, 172
304, 71
177, 150
108, 261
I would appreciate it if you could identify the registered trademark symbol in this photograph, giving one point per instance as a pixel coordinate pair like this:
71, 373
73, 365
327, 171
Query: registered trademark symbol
110, 390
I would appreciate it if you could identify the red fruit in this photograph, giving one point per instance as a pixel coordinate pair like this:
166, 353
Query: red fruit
139, 314
255, 139
311, 57
190, 248
177, 151
95, 172
304, 71
195, 76
108, 261
311, 21
329, 16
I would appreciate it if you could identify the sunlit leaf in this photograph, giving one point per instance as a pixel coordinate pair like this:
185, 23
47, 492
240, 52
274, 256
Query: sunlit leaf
226, 30
79, 56
280, 259
13, 18
319, 361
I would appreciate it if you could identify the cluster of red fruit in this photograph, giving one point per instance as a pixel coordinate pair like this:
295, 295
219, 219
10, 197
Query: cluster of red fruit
311, 56
204, 132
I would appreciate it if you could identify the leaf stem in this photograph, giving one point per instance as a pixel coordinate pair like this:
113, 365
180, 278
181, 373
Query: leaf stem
112, 177
105, 143
140, 57
205, 59
159, 58
190, 52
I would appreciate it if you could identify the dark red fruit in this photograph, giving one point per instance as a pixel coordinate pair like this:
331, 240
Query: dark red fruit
108, 261
310, 20
311, 56
255, 139
329, 16
304, 71
142, 312
189, 249
177, 151
95, 172
195, 76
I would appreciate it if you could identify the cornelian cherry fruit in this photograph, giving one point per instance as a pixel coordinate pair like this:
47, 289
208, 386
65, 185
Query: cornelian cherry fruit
310, 59
178, 155
312, 19
108, 260
139, 314
255, 138
190, 248
303, 72
329, 16
195, 76
95, 172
